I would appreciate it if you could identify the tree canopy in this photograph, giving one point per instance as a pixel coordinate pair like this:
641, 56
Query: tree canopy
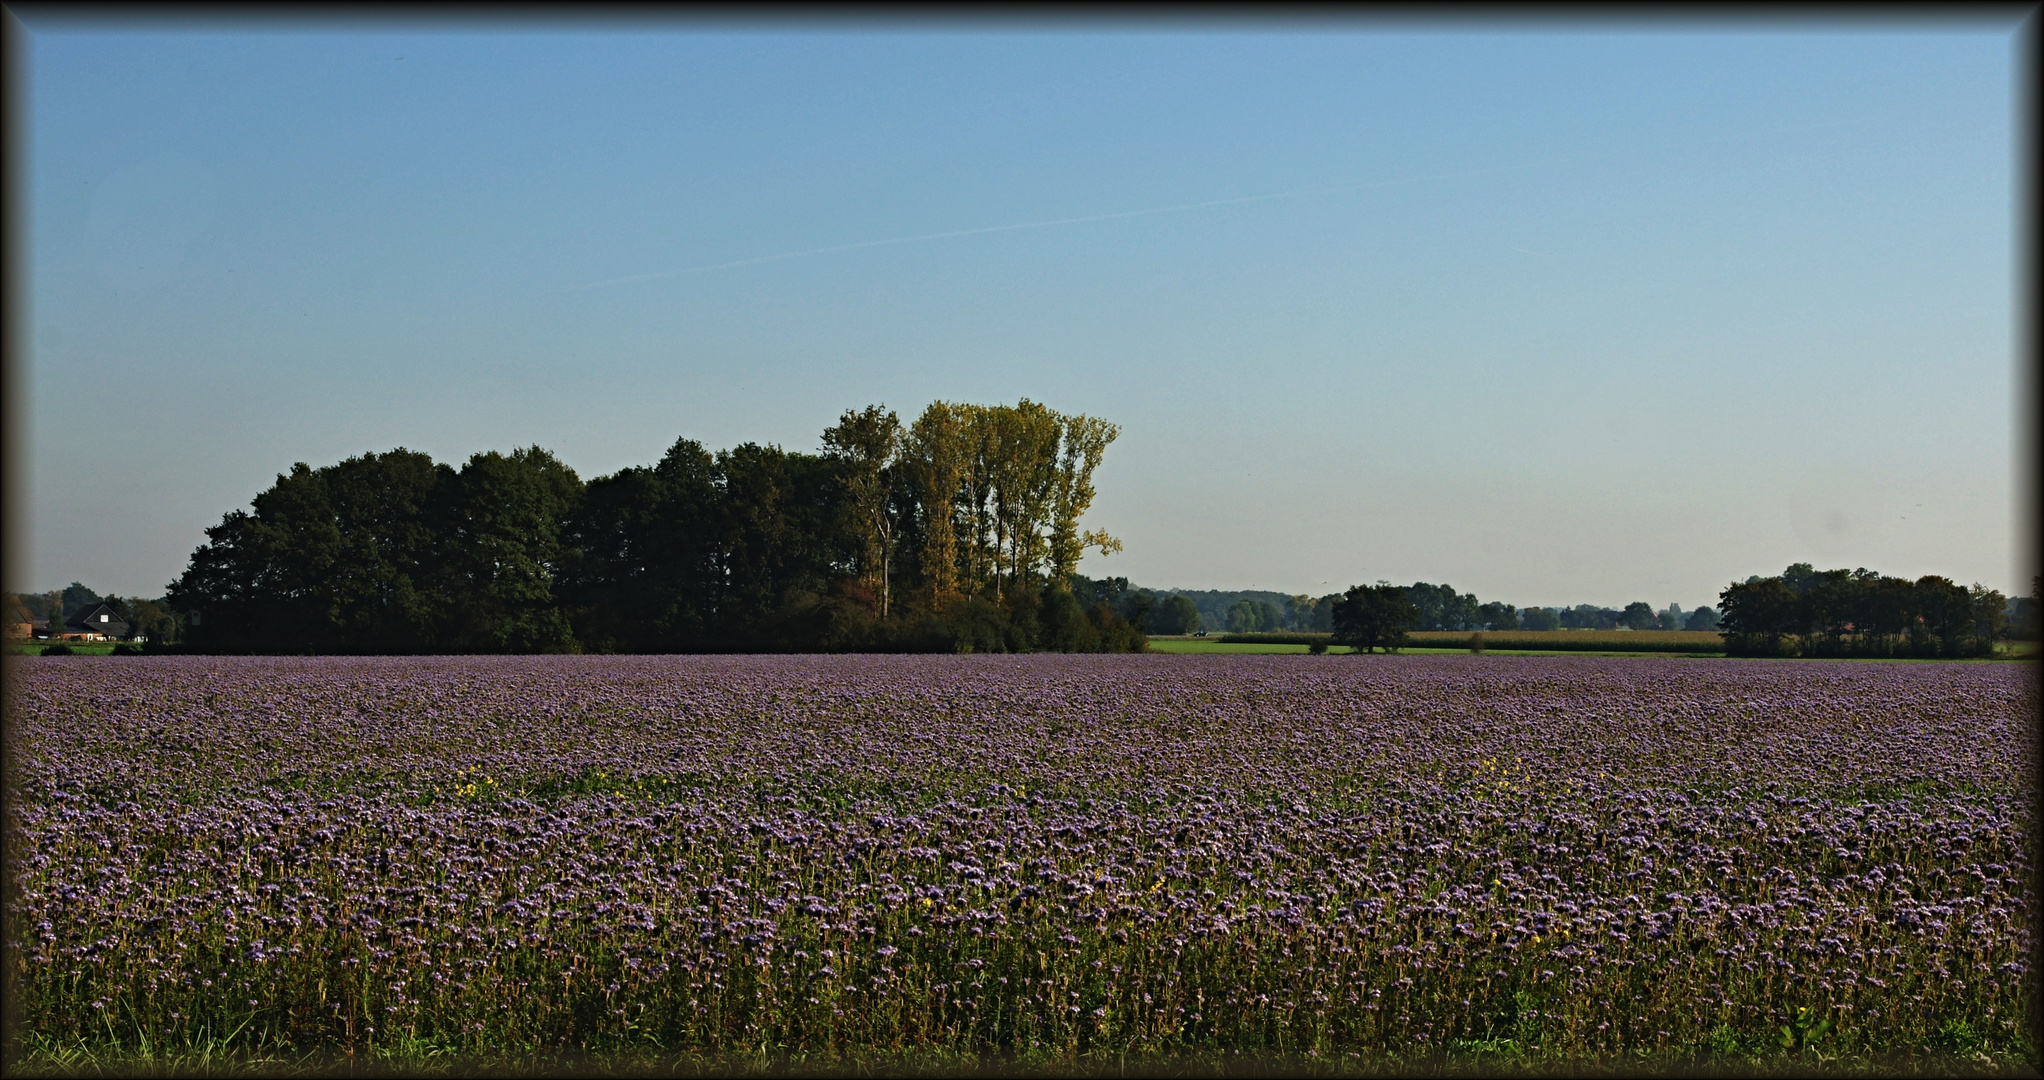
1807, 612
961, 530
1371, 616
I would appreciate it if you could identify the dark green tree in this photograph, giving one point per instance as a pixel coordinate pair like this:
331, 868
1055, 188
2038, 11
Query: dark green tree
782, 540
1497, 616
866, 448
1369, 617
503, 552
1253, 617
1639, 615
78, 598
329, 560
1757, 614
1174, 615
1539, 618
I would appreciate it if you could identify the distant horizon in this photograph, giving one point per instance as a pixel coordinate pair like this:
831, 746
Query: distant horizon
1660, 605
1537, 308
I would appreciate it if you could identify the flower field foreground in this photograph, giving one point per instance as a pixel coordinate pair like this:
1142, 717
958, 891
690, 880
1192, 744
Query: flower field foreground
1033, 859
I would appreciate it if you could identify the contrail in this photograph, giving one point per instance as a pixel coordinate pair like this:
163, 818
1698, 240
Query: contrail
1182, 207
930, 236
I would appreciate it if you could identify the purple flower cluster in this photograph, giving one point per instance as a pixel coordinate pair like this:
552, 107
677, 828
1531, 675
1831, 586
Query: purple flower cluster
1037, 856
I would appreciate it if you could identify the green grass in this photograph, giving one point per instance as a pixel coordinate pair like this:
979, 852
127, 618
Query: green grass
1214, 646
1209, 647
1617, 641
78, 648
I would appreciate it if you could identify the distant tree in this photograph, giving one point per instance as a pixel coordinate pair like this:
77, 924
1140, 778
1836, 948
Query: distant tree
867, 447
1323, 614
1990, 613
1588, 617
505, 522
1242, 618
36, 607
1064, 625
1808, 612
1800, 578
77, 598
1372, 616
122, 612
152, 622
1253, 617
1640, 616
1757, 615
2023, 611
337, 559
1132, 605
777, 508
1497, 616
1703, 618
1299, 612
1112, 591
1439, 607
950, 535
1539, 618
1174, 615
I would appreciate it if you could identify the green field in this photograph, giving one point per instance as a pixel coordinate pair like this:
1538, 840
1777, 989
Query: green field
1518, 642
78, 648
1581, 643
1215, 646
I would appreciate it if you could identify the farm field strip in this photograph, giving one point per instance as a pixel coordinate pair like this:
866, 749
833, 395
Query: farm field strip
1033, 858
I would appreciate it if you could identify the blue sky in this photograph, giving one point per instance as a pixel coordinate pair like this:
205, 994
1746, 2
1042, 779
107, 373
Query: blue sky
1556, 314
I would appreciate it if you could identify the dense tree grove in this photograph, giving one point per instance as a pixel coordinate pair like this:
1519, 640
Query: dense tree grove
1808, 612
960, 531
1371, 616
1435, 607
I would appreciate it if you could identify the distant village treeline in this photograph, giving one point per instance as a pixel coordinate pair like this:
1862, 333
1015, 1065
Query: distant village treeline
1435, 607
958, 532
1804, 611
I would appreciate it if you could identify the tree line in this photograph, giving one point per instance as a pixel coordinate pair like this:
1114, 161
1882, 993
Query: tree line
960, 531
1435, 607
145, 619
1804, 611
1800, 612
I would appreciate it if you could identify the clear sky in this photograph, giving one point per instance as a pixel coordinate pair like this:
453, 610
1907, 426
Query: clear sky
1556, 313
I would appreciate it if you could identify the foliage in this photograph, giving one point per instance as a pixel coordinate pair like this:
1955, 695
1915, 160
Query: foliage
1536, 618
1439, 607
960, 533
1806, 612
76, 598
1637, 641
1251, 616
1639, 615
1369, 616
1174, 615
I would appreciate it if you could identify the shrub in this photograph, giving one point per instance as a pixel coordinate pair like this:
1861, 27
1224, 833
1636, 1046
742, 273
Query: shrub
58, 649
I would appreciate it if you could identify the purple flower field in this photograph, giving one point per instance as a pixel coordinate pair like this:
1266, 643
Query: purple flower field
1037, 858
